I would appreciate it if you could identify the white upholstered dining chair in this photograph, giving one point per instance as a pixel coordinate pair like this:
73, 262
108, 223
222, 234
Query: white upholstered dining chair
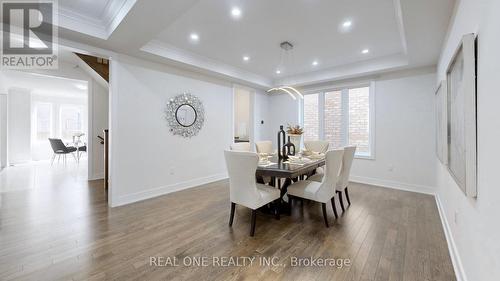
323, 191
243, 188
241, 146
345, 171
318, 146
264, 147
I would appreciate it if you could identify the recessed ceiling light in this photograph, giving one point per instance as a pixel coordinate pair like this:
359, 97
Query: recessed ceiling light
278, 71
236, 12
345, 26
314, 63
246, 58
194, 37
365, 51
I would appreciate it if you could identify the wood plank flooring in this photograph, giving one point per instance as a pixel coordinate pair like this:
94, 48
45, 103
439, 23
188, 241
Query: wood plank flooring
68, 233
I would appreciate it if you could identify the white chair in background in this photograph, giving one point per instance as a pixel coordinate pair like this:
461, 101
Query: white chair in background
316, 146
323, 191
264, 147
345, 171
241, 146
243, 188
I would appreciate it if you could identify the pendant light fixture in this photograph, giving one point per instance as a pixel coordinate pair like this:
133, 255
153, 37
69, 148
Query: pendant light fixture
287, 52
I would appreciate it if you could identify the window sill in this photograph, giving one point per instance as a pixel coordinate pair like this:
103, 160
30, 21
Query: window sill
364, 157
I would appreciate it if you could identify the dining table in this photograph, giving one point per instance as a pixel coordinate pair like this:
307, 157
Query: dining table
284, 172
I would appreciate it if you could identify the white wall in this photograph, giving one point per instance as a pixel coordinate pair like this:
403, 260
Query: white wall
100, 121
261, 113
146, 159
283, 110
404, 134
3, 130
19, 125
473, 223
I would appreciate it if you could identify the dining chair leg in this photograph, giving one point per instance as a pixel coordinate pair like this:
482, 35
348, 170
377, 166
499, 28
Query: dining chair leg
252, 227
277, 206
347, 196
231, 216
74, 157
58, 158
323, 206
334, 208
53, 158
341, 201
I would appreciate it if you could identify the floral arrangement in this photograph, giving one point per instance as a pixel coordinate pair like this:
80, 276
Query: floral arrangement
294, 130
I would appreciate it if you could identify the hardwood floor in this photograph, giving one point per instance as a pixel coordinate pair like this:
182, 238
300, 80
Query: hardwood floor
68, 233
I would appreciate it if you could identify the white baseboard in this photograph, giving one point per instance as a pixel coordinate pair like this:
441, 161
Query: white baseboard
99, 176
393, 184
162, 190
452, 247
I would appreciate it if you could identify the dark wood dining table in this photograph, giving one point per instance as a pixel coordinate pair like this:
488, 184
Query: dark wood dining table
282, 170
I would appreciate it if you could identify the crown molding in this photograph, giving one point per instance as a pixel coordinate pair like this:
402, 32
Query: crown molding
353, 70
77, 22
401, 26
115, 12
347, 71
170, 52
102, 27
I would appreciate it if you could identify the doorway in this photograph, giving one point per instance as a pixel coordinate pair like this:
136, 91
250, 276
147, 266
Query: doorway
243, 121
42, 109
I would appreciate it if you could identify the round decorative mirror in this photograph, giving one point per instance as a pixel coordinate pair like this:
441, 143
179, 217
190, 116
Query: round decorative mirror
185, 115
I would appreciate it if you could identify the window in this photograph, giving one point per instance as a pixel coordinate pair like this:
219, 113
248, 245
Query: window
341, 117
71, 121
43, 122
333, 119
311, 117
359, 119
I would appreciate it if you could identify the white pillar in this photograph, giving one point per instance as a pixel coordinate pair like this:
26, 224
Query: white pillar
19, 125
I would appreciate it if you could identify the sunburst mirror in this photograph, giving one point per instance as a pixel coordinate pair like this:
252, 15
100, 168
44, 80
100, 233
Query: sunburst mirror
185, 115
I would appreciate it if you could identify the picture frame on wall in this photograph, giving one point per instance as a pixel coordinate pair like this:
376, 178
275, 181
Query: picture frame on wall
461, 116
441, 122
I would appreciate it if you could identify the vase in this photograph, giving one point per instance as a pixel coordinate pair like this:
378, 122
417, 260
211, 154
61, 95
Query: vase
281, 141
295, 139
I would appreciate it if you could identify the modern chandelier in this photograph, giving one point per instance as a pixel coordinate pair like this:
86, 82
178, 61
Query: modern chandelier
286, 50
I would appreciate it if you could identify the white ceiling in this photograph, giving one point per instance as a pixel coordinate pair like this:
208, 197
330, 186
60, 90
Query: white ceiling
312, 26
400, 34
44, 85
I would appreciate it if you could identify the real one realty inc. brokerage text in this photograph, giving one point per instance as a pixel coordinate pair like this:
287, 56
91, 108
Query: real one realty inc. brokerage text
233, 261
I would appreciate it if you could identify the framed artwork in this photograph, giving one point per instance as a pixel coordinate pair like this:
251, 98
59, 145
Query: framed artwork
461, 116
441, 123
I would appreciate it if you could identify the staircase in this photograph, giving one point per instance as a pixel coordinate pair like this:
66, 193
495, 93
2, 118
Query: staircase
99, 65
